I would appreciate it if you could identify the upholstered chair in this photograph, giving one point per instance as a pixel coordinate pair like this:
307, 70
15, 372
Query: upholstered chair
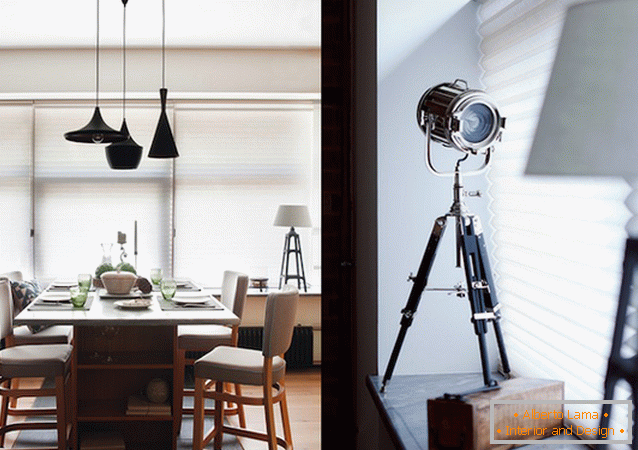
199, 339
265, 368
49, 361
23, 335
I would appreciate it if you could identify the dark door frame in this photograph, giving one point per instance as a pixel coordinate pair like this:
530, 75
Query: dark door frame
349, 224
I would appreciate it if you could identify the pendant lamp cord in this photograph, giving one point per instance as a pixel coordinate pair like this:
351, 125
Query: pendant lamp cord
163, 44
124, 61
97, 57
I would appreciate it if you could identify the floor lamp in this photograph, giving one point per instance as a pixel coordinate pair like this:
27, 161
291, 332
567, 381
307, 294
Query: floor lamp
588, 126
292, 216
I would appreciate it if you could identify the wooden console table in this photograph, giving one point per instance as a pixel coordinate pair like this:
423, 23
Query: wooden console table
403, 406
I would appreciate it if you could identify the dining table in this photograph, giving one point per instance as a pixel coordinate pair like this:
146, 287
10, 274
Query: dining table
124, 375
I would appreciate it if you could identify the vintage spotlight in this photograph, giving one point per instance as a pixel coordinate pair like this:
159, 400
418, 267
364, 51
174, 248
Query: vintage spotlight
467, 120
461, 118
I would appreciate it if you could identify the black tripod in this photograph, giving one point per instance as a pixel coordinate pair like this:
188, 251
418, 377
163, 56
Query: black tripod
292, 244
470, 247
620, 366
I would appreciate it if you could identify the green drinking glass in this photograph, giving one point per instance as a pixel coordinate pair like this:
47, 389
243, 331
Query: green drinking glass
168, 286
156, 276
78, 296
84, 281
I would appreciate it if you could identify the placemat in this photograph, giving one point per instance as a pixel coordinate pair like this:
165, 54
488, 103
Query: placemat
168, 305
65, 289
188, 286
39, 305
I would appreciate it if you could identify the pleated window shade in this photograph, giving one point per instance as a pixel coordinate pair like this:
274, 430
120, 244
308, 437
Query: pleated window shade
239, 164
558, 242
80, 202
15, 188
210, 210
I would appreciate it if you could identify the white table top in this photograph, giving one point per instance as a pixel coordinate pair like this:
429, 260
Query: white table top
105, 312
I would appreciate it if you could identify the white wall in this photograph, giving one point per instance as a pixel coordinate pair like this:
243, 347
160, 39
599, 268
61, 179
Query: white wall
187, 70
410, 198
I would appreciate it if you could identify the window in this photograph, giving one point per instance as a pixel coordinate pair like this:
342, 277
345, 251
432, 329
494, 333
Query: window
15, 186
209, 210
80, 202
263, 158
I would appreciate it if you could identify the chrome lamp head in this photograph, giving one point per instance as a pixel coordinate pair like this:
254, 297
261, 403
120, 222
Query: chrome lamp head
461, 118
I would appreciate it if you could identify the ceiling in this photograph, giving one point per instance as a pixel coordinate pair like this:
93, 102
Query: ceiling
198, 23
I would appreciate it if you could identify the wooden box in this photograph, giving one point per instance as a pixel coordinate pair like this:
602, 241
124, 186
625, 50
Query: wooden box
466, 424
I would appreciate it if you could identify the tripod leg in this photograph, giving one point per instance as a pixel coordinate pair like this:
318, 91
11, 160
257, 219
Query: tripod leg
501, 344
300, 265
420, 281
284, 262
491, 302
485, 361
478, 288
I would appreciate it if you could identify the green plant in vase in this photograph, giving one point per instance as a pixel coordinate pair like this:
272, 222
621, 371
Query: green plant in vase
125, 267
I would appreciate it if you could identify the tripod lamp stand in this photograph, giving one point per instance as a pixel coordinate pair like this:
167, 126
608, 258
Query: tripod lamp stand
466, 120
292, 216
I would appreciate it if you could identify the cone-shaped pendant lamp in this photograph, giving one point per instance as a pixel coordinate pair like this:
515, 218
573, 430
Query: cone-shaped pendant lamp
96, 131
163, 145
126, 154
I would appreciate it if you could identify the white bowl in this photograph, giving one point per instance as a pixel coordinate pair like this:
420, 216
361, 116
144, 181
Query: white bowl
118, 283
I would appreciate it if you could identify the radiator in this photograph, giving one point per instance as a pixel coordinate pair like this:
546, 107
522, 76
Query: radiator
299, 355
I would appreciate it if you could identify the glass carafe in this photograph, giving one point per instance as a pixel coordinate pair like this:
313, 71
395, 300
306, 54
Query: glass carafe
106, 253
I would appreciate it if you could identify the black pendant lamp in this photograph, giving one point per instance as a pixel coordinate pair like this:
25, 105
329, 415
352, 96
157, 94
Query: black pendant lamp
128, 153
96, 131
163, 145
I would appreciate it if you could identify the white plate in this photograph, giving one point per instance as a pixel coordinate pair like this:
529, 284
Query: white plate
134, 304
55, 297
64, 283
192, 297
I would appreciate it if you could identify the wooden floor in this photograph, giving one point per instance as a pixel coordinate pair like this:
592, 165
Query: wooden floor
304, 405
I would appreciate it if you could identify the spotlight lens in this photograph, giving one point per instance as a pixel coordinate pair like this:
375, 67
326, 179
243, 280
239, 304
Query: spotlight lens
477, 122
98, 138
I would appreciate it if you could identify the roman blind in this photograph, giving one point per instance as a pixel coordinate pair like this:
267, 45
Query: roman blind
240, 162
80, 202
15, 187
210, 210
558, 242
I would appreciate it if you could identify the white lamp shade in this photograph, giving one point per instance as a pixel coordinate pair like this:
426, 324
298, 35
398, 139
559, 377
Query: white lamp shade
589, 120
292, 216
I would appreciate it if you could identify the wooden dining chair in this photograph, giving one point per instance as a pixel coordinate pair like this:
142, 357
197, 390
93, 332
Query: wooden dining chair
23, 335
265, 368
199, 339
33, 361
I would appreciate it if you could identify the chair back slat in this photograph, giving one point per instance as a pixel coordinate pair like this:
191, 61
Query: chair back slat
279, 321
6, 308
234, 290
15, 275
